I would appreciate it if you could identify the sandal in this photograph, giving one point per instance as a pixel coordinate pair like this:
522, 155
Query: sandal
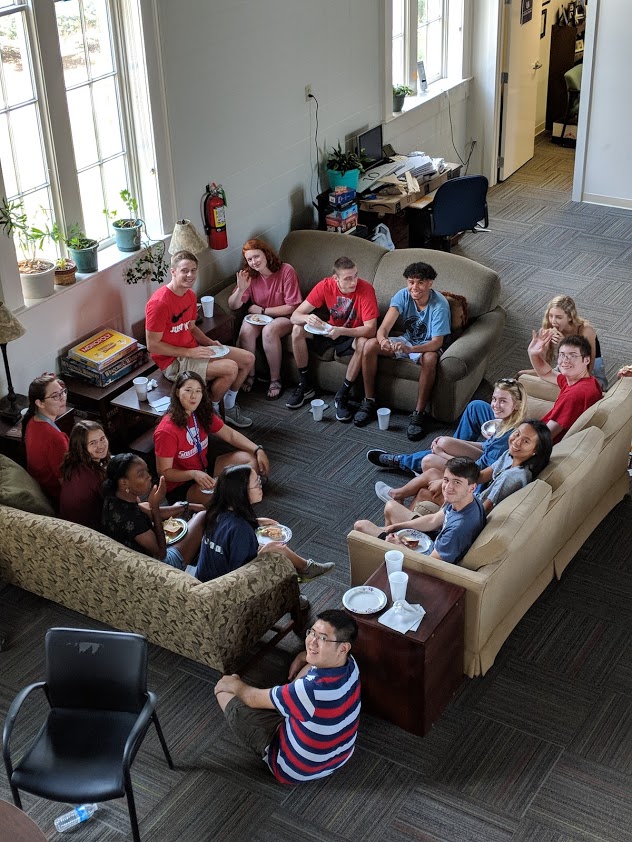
274, 390
248, 383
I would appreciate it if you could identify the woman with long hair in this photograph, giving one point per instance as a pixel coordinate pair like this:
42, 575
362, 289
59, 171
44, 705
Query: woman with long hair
139, 525
230, 539
562, 317
45, 443
182, 441
82, 474
271, 291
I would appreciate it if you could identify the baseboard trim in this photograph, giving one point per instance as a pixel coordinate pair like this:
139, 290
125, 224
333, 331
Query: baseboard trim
609, 201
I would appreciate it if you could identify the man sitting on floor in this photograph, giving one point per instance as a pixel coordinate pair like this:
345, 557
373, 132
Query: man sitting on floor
353, 314
306, 729
426, 315
176, 344
459, 521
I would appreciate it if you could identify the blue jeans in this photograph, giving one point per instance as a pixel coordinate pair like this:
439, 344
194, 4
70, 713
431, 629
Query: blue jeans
469, 429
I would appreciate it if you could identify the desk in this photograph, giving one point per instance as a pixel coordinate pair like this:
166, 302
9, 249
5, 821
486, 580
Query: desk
16, 826
408, 679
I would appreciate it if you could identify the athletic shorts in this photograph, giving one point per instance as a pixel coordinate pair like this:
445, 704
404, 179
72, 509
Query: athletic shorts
253, 727
174, 558
181, 364
400, 355
343, 346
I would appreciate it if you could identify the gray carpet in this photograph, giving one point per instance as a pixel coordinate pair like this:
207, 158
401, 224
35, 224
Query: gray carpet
540, 749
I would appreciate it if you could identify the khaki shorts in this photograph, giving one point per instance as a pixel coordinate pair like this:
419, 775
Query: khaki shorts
253, 727
181, 364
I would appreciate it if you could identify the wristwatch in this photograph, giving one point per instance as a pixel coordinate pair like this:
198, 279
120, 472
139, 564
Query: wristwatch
257, 449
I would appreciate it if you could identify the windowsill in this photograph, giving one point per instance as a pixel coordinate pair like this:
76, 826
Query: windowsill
442, 89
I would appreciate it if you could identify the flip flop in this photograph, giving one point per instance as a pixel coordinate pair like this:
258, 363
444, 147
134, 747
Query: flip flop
248, 383
274, 390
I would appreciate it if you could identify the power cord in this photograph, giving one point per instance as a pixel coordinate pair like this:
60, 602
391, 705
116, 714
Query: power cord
452, 134
311, 182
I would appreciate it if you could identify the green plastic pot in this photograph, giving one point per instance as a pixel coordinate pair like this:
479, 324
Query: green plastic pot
85, 258
127, 238
346, 179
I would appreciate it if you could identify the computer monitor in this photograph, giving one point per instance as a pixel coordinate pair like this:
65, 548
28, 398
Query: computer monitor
371, 142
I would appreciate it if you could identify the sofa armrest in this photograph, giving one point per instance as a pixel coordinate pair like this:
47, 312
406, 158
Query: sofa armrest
478, 340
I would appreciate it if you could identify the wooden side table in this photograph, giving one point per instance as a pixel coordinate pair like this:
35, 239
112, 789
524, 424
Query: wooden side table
16, 826
409, 679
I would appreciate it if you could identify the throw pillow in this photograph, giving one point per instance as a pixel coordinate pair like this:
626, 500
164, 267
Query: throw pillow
458, 313
20, 490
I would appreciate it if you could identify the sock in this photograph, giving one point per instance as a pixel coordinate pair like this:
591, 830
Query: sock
303, 376
229, 399
216, 407
347, 384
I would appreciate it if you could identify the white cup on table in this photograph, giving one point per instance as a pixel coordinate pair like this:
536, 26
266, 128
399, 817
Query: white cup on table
140, 384
394, 561
399, 583
208, 306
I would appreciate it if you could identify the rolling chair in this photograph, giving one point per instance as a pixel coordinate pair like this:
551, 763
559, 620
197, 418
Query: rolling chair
573, 81
458, 205
100, 711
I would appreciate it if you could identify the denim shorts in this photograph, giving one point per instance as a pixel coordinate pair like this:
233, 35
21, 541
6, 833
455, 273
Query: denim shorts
174, 558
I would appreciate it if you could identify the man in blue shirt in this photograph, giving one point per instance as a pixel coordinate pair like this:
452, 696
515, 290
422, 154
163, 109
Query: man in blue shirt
459, 521
426, 317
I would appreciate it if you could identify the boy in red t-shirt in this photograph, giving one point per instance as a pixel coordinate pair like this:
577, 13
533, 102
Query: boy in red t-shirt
353, 314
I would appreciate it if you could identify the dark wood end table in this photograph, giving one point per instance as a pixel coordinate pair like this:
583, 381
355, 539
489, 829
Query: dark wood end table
408, 679
16, 826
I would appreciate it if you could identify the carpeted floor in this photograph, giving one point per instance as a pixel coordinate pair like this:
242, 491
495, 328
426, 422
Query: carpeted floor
540, 749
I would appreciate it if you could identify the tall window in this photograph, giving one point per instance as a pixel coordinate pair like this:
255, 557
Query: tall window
421, 32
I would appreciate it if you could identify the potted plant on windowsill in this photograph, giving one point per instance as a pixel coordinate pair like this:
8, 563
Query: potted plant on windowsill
82, 249
400, 92
344, 168
37, 274
65, 272
126, 231
149, 266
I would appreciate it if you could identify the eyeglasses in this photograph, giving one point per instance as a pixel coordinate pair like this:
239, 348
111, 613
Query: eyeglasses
563, 356
321, 638
258, 483
508, 380
57, 396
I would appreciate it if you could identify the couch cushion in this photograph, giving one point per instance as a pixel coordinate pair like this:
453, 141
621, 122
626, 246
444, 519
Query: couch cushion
570, 459
509, 525
609, 414
20, 490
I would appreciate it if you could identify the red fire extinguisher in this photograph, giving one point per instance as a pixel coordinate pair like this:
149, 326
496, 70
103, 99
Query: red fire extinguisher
214, 216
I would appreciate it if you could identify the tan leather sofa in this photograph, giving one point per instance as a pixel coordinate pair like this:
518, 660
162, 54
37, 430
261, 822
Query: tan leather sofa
216, 623
462, 366
533, 534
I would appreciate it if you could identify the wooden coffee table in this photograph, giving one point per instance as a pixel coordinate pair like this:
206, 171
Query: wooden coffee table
16, 826
409, 679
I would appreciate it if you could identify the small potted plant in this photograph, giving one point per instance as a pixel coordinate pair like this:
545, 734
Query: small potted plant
149, 266
126, 231
400, 92
344, 168
37, 274
82, 249
65, 272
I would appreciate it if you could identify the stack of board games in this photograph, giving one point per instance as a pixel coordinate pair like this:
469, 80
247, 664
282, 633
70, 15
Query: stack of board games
103, 358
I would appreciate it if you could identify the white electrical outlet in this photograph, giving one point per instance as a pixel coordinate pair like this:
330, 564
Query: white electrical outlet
308, 92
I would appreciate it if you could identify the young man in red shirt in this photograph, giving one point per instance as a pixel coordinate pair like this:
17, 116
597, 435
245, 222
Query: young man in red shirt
353, 314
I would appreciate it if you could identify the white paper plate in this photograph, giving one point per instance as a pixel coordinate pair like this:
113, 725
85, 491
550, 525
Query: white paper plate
183, 531
364, 600
266, 539
317, 331
258, 319
424, 541
219, 351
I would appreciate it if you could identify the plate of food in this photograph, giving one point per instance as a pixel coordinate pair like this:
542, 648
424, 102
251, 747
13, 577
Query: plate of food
174, 528
489, 428
364, 599
317, 331
414, 540
273, 532
258, 319
219, 350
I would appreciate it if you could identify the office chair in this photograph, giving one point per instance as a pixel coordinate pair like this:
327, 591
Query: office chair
458, 205
100, 711
573, 82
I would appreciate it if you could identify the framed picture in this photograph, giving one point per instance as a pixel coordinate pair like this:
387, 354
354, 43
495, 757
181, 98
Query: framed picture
526, 11
543, 23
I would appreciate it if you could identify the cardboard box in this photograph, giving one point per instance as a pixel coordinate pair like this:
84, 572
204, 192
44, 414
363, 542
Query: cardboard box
385, 203
337, 198
570, 132
341, 226
342, 213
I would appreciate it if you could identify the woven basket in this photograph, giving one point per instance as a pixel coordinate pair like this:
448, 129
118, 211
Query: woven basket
65, 277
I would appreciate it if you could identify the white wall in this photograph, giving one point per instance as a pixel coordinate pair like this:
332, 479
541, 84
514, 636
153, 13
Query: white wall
545, 58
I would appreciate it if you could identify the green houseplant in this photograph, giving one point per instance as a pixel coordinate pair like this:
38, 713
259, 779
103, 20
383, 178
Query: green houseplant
126, 230
37, 274
344, 168
400, 92
65, 272
82, 249
149, 266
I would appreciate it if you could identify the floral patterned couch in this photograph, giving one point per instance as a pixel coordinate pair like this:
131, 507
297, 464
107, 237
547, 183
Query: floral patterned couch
216, 623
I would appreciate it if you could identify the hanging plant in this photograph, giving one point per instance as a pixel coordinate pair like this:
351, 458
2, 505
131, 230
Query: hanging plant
149, 266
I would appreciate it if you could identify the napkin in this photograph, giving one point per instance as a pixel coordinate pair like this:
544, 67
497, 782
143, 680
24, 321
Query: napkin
161, 405
405, 620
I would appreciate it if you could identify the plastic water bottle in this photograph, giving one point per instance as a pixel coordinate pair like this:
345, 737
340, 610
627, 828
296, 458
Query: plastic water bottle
75, 817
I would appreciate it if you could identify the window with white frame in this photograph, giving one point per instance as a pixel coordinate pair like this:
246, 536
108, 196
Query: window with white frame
424, 30
69, 110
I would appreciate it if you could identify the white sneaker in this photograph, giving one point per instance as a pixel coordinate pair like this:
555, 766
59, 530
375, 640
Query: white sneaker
383, 491
236, 418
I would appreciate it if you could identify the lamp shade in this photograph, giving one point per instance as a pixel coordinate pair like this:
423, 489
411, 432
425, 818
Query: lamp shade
10, 327
186, 237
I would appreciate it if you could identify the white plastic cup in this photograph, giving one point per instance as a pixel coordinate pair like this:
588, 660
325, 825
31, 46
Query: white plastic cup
208, 306
398, 582
394, 561
383, 417
318, 407
140, 384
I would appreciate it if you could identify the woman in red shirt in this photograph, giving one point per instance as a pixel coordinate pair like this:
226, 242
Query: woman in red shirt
181, 440
45, 443
83, 473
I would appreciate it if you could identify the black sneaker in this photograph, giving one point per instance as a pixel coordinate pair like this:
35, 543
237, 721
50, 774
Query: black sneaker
341, 401
302, 393
415, 429
382, 459
366, 413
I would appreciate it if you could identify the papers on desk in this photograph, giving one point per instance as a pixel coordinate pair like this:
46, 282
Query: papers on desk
405, 620
161, 405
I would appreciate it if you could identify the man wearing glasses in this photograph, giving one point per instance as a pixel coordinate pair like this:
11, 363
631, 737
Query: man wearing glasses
578, 388
306, 729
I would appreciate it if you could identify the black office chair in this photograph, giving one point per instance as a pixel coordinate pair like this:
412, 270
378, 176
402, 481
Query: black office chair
458, 205
100, 711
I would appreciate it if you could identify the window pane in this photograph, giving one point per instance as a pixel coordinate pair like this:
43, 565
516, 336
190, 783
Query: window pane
434, 50
71, 43
398, 60
82, 125
27, 140
98, 37
421, 12
114, 180
16, 65
38, 210
8, 171
92, 203
435, 9
107, 115
398, 17
421, 47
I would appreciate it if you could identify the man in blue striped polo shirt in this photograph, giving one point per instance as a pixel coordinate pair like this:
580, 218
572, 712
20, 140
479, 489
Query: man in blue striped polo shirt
306, 729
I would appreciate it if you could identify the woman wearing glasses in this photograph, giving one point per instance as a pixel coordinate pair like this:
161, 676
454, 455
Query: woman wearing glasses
45, 443
230, 540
